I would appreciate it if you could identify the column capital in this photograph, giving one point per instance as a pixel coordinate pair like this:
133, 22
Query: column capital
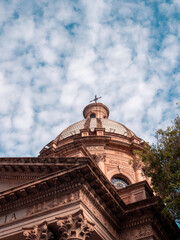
74, 226
38, 232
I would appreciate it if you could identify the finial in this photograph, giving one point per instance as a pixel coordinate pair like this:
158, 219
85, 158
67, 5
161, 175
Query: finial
95, 99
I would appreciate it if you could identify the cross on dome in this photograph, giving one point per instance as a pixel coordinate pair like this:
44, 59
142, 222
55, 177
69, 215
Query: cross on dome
95, 99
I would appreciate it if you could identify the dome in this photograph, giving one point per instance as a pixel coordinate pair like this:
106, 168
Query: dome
110, 126
109, 143
96, 117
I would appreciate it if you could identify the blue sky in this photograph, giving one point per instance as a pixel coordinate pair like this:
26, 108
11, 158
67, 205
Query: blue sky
56, 55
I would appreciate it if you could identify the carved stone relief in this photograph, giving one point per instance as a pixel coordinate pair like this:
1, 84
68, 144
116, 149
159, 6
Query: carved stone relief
38, 232
74, 226
141, 232
120, 162
44, 206
40, 207
122, 166
99, 157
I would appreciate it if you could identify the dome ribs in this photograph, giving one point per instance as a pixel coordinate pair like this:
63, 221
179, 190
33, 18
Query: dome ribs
87, 123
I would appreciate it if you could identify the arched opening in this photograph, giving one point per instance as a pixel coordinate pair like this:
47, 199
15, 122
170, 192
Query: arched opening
93, 115
119, 182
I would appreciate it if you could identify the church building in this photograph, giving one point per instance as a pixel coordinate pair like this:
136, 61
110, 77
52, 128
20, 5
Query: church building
86, 184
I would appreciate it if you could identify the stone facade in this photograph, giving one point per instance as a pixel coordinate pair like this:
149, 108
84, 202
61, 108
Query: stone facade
87, 183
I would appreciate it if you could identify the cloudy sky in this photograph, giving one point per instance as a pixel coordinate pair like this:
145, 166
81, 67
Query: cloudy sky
56, 55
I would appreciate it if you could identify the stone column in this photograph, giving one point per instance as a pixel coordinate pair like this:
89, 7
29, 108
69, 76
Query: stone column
74, 227
139, 176
101, 166
137, 165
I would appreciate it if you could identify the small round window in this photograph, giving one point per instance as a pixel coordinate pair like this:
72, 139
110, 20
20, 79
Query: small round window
119, 183
93, 115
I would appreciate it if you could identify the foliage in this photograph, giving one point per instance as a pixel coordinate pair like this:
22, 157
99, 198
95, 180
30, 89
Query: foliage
162, 165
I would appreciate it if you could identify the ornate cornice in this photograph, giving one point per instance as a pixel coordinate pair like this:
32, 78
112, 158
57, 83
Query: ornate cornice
100, 192
43, 188
60, 182
74, 143
31, 168
150, 201
34, 160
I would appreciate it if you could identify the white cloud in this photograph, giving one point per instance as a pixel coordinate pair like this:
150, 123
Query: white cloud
55, 55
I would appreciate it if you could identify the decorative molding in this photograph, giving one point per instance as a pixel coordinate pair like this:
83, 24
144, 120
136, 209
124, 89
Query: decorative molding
140, 232
95, 147
74, 226
56, 202
137, 221
44, 194
21, 176
43, 160
94, 204
40, 207
123, 164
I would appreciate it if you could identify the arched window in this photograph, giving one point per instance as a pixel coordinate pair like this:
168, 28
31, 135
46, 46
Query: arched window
93, 115
119, 182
